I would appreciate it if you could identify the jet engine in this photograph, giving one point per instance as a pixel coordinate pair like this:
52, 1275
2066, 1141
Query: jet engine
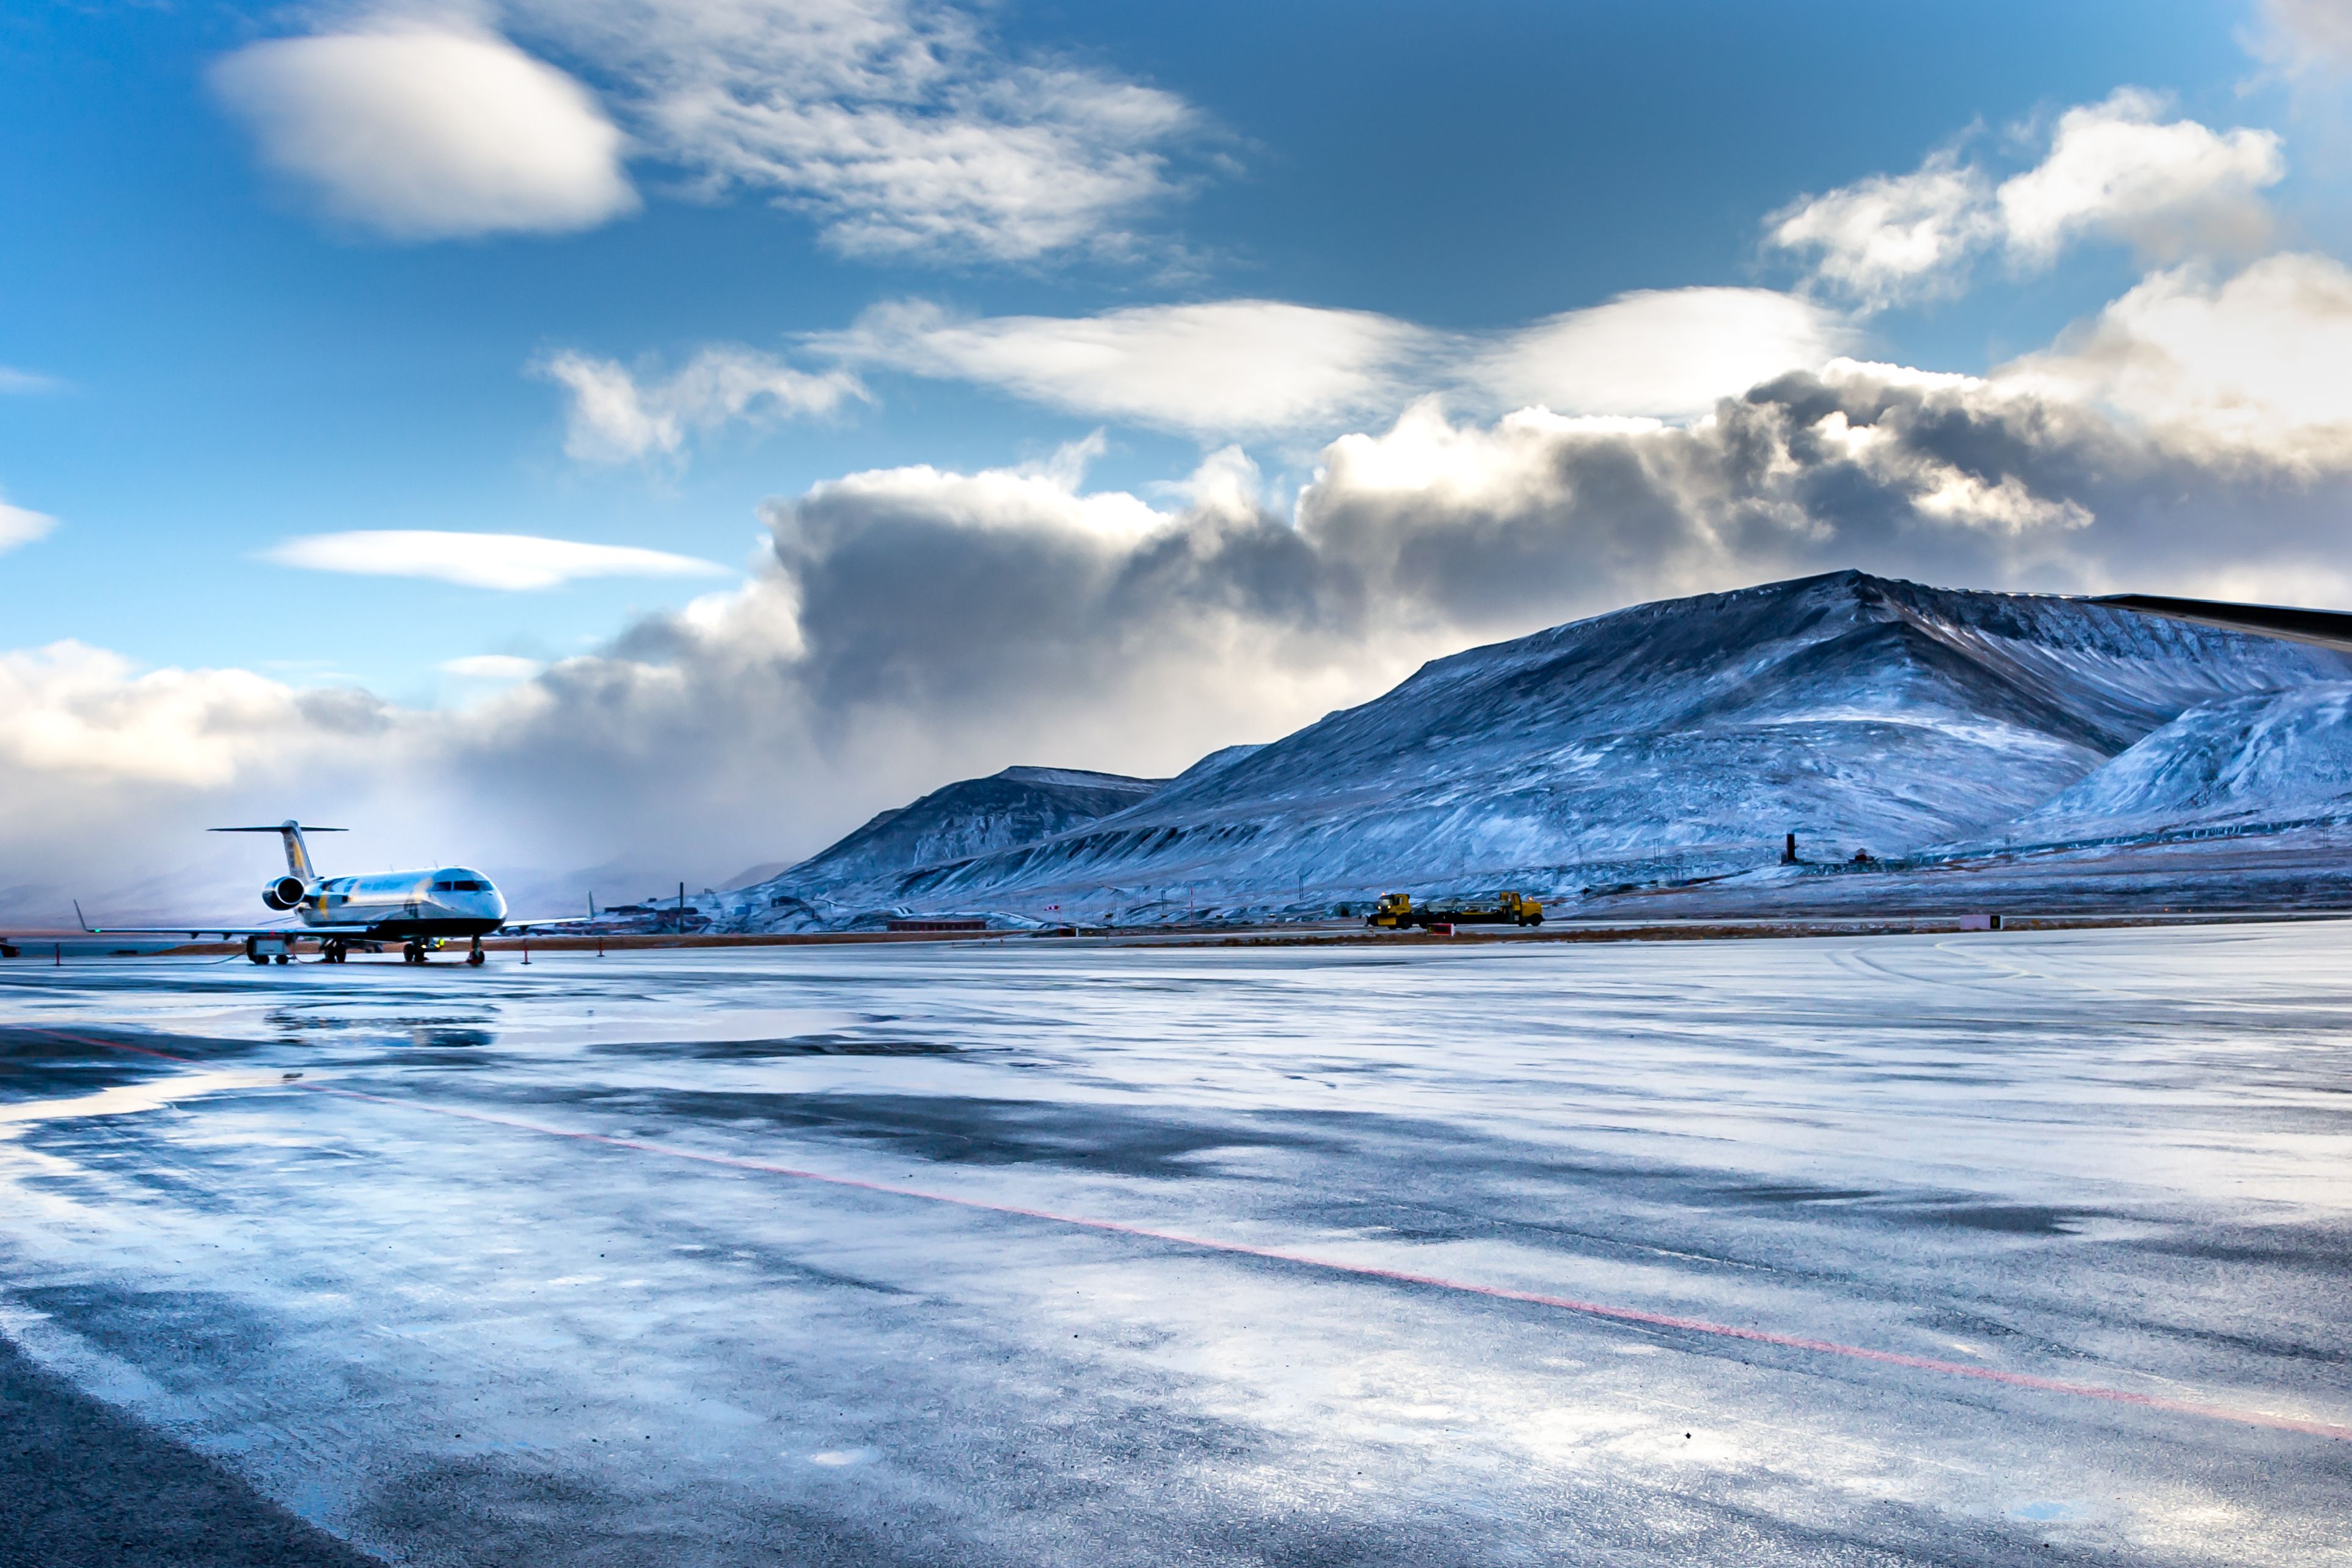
283, 894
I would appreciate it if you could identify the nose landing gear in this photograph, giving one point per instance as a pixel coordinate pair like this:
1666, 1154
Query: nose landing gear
476, 956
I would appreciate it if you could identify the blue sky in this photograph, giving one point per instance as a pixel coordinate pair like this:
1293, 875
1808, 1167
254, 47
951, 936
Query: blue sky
232, 320
236, 372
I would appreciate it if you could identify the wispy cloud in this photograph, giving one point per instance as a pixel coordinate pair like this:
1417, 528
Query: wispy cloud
899, 127
502, 667
1253, 369
14, 380
614, 416
1232, 367
19, 526
2303, 36
515, 562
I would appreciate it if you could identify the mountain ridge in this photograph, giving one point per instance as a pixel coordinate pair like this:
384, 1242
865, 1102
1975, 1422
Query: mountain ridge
1672, 740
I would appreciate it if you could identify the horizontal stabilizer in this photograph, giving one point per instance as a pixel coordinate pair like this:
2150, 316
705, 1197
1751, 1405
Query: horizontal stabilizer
279, 828
298, 853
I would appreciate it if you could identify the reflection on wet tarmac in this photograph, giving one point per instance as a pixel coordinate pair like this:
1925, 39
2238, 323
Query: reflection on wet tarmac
516, 1269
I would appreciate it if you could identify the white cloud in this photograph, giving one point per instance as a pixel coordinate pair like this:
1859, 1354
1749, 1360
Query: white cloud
2252, 363
515, 562
19, 526
1893, 236
897, 125
504, 667
614, 416
423, 131
1232, 367
1668, 353
13, 381
2307, 33
82, 715
2167, 190
1246, 368
2113, 170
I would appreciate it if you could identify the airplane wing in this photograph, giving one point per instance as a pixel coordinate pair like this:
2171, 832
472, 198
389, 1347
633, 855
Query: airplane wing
2326, 628
524, 928
220, 933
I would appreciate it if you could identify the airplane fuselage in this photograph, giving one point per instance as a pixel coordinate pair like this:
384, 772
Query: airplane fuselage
449, 901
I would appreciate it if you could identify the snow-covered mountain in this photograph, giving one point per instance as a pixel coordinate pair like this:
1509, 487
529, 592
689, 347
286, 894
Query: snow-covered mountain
1672, 741
2254, 763
962, 821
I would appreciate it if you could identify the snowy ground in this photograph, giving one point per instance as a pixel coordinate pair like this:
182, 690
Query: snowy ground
406, 1296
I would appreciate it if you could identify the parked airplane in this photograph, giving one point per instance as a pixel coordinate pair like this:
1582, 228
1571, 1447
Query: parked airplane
418, 909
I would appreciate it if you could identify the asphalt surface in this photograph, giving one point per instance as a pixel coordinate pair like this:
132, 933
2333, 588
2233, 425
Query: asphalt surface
1996, 1248
84, 1486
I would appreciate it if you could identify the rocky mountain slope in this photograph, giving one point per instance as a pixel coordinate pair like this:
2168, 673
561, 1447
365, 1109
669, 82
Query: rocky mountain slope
1671, 742
2264, 762
961, 821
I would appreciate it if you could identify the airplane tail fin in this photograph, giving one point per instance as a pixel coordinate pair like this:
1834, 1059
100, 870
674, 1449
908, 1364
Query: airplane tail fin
298, 853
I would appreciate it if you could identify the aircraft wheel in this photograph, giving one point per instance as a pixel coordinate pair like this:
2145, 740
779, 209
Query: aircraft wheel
476, 956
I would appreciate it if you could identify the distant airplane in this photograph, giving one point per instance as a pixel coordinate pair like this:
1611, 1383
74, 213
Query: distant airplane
418, 909
2326, 628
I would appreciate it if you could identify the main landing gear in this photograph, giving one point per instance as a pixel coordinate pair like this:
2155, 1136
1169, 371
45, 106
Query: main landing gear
333, 952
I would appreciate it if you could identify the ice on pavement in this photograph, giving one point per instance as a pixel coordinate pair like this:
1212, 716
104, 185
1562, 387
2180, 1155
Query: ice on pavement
403, 1295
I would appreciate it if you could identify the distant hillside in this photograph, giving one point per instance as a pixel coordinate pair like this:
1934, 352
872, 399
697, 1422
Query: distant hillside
974, 817
1662, 743
2267, 761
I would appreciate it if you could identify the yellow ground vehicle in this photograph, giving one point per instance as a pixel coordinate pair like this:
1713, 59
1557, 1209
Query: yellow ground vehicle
1396, 913
1519, 910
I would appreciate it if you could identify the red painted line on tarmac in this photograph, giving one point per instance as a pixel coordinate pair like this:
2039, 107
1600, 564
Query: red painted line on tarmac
1336, 1265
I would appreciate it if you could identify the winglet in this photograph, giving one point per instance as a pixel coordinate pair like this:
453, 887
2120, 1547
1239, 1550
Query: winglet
85, 926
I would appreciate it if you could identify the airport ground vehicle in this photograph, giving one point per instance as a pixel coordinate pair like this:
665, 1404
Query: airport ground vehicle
1396, 913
